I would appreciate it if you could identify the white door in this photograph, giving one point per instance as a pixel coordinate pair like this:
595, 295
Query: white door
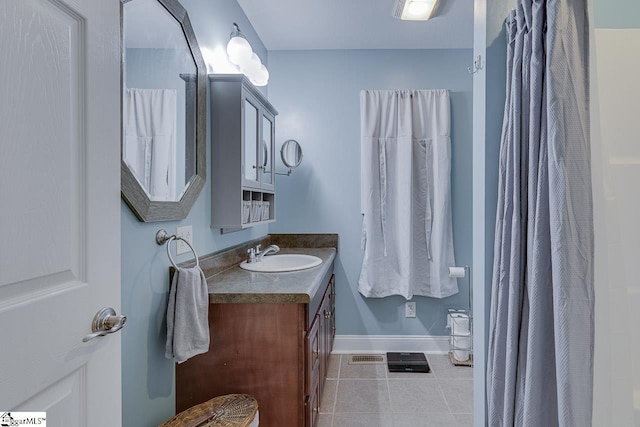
59, 208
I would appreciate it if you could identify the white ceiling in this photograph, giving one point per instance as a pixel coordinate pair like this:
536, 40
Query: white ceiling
357, 24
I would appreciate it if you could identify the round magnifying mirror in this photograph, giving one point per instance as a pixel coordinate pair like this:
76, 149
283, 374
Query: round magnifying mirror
291, 153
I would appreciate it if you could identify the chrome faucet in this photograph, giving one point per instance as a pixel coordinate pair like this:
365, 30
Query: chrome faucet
255, 254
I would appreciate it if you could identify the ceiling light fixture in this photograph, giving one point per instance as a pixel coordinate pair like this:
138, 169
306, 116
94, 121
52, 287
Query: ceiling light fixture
415, 10
241, 54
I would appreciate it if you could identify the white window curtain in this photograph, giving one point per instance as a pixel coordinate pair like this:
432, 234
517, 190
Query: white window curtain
150, 140
405, 193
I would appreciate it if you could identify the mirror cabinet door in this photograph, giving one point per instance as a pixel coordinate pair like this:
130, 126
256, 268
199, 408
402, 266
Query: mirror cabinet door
267, 150
251, 176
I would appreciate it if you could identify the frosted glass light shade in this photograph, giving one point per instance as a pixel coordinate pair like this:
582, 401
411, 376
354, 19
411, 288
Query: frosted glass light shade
262, 77
239, 51
252, 67
263, 74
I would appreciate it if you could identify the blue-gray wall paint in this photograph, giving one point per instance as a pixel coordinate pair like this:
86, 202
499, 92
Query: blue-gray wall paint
148, 390
617, 14
317, 96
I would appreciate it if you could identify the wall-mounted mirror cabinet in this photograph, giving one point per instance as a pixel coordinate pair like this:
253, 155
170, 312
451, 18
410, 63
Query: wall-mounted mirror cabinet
242, 138
163, 110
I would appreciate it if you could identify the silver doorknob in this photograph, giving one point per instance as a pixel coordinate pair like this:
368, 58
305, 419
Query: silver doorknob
105, 322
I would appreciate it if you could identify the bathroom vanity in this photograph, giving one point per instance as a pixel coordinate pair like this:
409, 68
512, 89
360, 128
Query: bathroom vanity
271, 336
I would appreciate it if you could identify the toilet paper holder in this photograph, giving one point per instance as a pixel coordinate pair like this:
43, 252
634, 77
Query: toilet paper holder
460, 323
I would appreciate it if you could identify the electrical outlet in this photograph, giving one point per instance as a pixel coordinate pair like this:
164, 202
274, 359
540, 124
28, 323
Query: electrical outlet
187, 234
410, 309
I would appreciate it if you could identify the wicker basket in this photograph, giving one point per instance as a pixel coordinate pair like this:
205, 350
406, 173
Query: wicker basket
231, 410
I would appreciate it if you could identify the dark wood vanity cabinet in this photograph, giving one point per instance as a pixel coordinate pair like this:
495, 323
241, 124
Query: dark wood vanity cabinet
277, 352
319, 341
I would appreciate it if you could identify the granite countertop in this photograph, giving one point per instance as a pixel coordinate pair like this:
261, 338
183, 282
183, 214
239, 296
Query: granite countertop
236, 285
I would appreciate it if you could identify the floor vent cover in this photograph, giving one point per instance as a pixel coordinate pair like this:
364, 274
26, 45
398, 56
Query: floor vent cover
366, 359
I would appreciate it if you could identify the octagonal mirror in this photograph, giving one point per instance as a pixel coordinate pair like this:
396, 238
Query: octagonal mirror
163, 110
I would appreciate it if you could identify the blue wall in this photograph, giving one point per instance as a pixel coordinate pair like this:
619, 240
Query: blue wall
317, 96
616, 13
148, 391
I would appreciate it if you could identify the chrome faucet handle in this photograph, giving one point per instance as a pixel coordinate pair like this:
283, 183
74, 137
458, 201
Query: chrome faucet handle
258, 247
252, 255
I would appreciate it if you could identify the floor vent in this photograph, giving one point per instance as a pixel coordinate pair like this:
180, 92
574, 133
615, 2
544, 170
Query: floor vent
366, 359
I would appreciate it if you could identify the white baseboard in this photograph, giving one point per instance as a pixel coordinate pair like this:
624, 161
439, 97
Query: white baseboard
367, 344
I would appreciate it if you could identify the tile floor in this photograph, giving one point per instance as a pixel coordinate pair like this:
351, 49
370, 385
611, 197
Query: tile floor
370, 396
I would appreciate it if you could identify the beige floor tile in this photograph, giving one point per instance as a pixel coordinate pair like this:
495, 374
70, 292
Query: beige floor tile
325, 420
442, 367
361, 371
333, 369
417, 397
459, 395
362, 420
410, 375
464, 420
362, 396
328, 399
424, 420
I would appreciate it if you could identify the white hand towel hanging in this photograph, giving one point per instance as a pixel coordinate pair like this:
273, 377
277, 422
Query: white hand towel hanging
405, 194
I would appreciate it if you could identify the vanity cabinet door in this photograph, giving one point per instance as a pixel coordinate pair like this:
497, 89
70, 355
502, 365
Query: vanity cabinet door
313, 341
313, 406
325, 316
326, 330
332, 320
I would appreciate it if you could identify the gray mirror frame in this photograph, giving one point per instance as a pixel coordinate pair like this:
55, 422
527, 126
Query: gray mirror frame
284, 161
132, 192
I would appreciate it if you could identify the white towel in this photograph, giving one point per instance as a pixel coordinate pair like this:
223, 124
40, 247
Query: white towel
187, 315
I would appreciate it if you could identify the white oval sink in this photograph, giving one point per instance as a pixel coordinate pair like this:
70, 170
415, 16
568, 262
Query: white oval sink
281, 263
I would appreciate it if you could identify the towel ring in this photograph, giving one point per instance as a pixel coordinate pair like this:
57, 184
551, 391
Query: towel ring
163, 237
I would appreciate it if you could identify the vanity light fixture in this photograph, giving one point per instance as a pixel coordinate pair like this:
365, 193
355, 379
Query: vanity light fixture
241, 54
415, 10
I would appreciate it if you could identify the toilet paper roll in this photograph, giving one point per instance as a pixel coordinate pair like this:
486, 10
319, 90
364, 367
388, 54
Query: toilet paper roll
460, 324
457, 272
461, 348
